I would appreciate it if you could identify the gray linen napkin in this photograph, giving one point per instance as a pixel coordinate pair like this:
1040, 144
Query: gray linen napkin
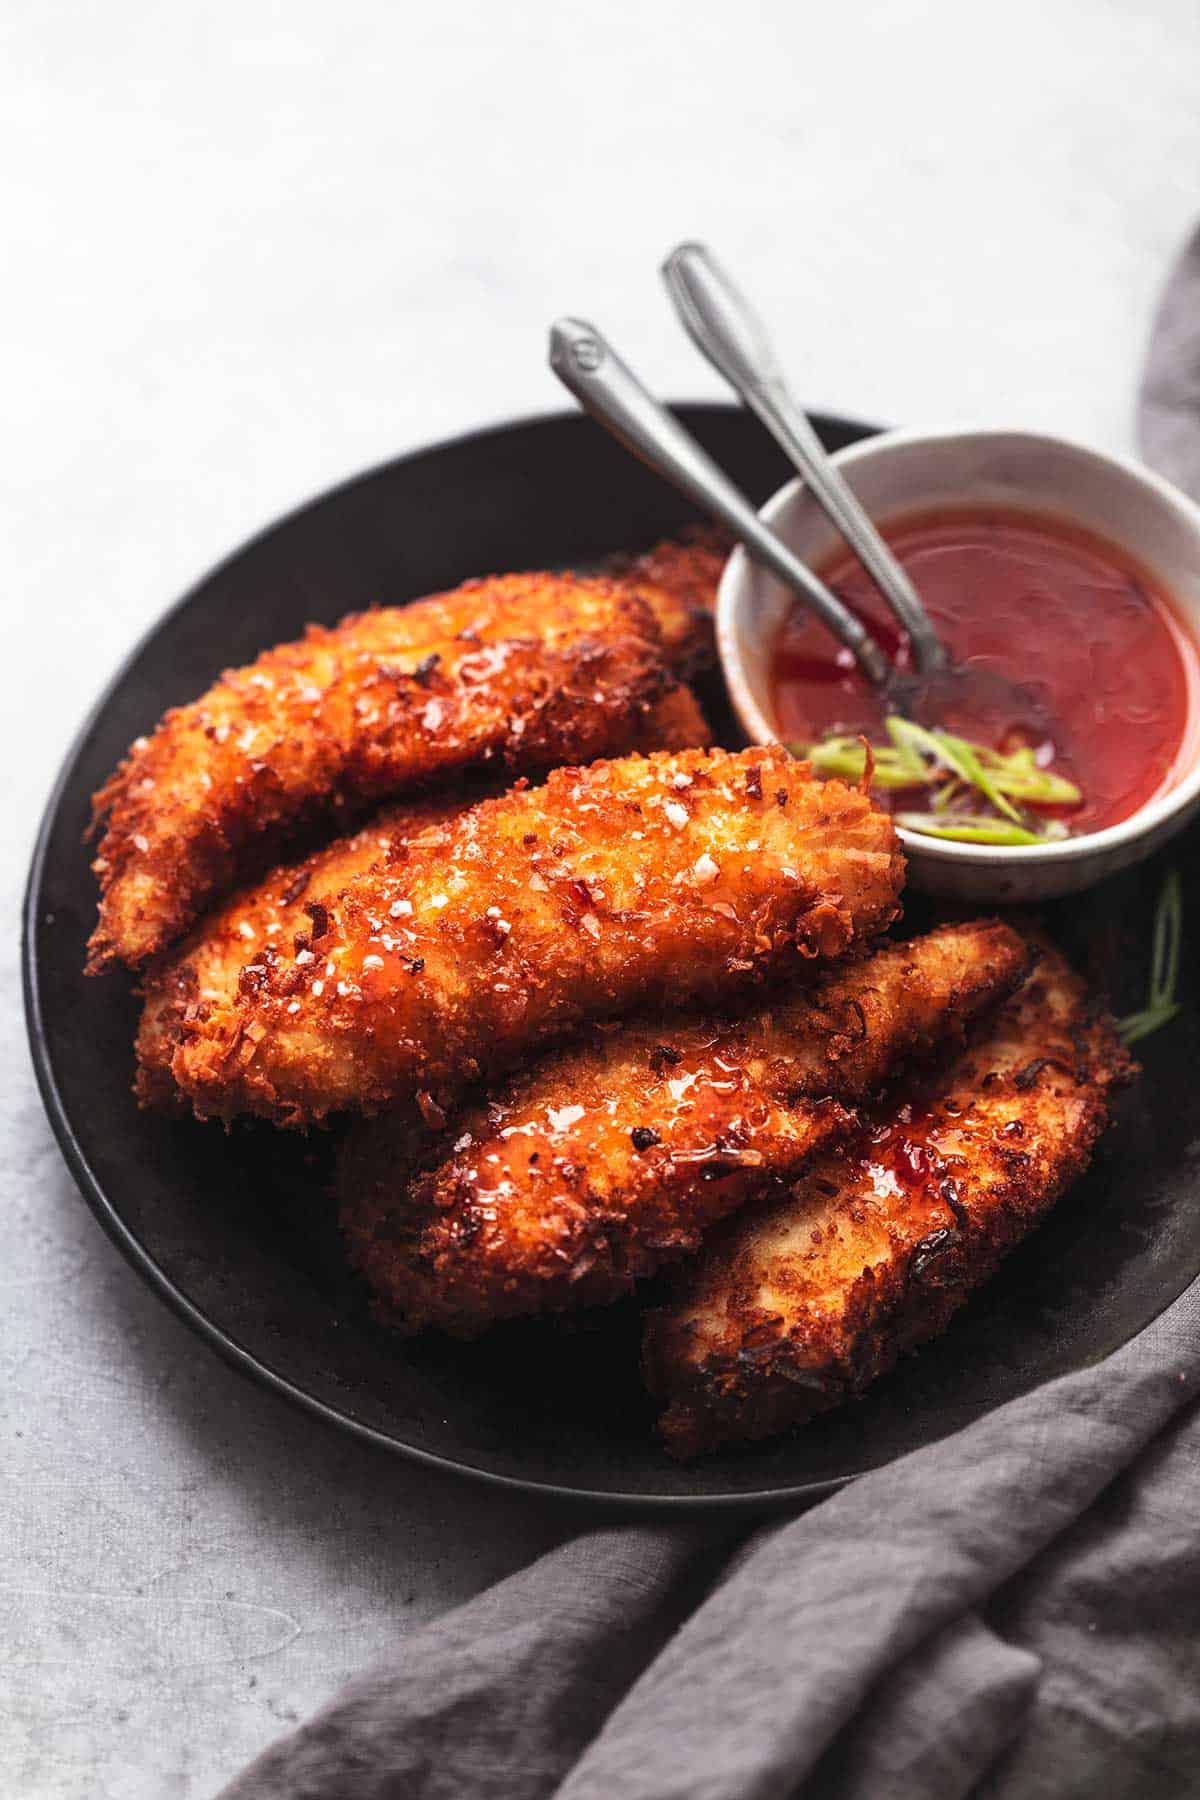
1011, 1613
1169, 403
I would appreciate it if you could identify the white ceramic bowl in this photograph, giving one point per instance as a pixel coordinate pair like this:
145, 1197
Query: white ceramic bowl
903, 472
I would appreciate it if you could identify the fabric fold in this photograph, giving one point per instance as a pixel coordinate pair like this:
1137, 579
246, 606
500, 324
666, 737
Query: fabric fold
498, 1697
1168, 414
647, 1663
1110, 1611
752, 1689
931, 1728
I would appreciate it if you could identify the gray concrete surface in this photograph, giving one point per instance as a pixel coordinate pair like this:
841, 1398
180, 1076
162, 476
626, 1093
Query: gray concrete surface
252, 248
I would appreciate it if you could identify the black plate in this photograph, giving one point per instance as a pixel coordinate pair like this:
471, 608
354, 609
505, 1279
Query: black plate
235, 1231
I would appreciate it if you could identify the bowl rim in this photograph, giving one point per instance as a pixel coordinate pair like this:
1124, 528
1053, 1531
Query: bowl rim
1145, 821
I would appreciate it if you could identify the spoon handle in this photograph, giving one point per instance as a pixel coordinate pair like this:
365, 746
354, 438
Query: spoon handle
725, 328
591, 369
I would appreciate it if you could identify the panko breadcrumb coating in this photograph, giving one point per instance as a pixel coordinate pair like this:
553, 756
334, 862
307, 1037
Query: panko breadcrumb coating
649, 881
795, 1307
584, 1174
678, 579
205, 970
519, 672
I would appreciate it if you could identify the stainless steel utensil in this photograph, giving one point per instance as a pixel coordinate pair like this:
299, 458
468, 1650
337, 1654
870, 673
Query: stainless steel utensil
606, 387
723, 325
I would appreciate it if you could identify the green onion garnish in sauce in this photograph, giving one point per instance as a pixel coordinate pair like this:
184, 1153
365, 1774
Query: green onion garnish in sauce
975, 828
976, 794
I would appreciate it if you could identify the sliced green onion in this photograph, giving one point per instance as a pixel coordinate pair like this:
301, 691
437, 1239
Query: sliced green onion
957, 754
973, 763
969, 828
846, 758
907, 756
946, 796
1016, 772
1168, 938
1136, 1026
939, 760
1038, 788
1165, 951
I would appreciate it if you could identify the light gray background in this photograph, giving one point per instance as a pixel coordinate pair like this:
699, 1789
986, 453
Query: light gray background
251, 248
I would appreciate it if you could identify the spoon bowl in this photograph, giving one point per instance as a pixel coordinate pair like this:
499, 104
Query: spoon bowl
953, 691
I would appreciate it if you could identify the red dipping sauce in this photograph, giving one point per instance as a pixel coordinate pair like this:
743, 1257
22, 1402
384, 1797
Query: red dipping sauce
1042, 601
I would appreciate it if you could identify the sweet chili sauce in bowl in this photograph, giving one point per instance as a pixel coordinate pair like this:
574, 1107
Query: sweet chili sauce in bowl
1064, 615
1073, 574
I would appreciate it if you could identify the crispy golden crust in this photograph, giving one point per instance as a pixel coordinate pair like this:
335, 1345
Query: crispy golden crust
798, 1306
611, 1157
678, 579
519, 671
631, 884
676, 722
206, 969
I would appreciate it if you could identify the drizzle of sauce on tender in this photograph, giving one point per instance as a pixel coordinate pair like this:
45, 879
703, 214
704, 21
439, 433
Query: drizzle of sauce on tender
899, 1157
1040, 601
916, 1183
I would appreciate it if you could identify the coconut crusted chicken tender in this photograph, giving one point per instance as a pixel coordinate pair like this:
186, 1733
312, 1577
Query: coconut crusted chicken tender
678, 579
273, 916
676, 722
206, 969
616, 1155
795, 1307
517, 671
649, 881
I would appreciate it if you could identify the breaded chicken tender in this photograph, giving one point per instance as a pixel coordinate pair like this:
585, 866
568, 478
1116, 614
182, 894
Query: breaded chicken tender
613, 1156
649, 881
518, 671
676, 722
678, 579
797, 1306
205, 970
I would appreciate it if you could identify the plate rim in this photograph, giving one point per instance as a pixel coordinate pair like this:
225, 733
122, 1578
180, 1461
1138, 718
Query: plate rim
234, 1354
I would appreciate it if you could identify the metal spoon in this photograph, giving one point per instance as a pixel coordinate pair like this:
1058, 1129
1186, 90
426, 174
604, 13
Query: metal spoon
729, 333
607, 388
